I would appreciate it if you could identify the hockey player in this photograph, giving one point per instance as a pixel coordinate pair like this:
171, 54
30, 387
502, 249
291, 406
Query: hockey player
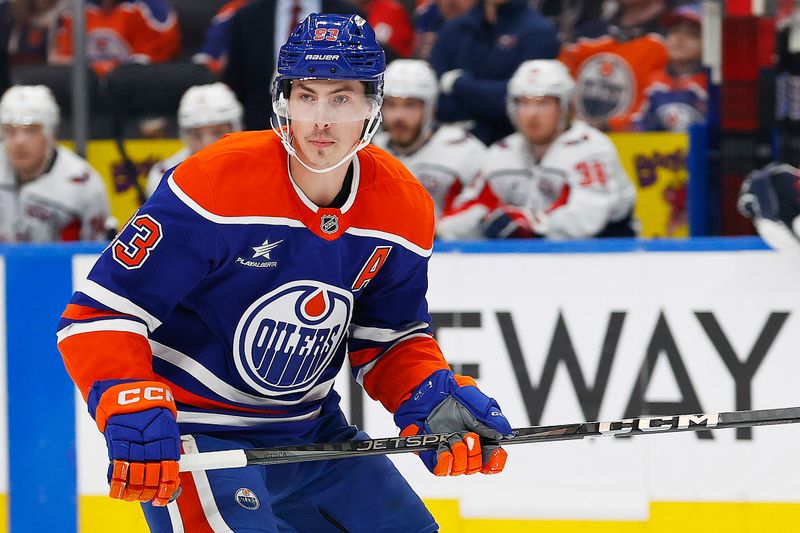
222, 313
47, 193
205, 113
443, 158
771, 198
556, 177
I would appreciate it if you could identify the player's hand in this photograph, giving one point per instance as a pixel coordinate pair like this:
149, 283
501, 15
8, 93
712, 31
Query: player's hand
508, 222
141, 431
449, 403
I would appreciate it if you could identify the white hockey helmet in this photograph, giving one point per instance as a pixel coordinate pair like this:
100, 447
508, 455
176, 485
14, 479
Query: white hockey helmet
206, 105
23, 105
411, 78
540, 77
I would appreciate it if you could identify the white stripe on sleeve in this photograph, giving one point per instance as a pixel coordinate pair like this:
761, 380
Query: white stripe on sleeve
115, 301
111, 324
383, 334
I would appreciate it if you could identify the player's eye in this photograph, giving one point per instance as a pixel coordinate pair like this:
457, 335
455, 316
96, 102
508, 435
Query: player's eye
341, 99
305, 97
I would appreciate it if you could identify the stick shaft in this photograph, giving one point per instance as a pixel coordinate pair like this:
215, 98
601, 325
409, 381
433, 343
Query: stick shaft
627, 427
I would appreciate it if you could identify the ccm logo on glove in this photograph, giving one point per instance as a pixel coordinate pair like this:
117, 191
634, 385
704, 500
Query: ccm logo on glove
133, 397
129, 396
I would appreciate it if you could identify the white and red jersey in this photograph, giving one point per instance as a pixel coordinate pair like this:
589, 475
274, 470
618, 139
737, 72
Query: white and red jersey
158, 170
579, 185
68, 202
445, 164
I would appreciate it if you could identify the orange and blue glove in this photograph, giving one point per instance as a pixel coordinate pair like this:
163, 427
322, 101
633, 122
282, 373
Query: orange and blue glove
138, 419
450, 403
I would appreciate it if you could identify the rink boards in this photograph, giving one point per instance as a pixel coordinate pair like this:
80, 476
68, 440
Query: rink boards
556, 333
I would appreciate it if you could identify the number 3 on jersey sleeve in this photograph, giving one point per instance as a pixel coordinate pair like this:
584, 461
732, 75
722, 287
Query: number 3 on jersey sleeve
134, 243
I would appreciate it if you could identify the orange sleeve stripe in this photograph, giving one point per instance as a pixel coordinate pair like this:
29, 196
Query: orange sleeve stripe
83, 312
362, 357
395, 375
100, 355
185, 397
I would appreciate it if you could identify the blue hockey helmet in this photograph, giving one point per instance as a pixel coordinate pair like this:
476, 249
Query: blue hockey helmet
338, 47
330, 47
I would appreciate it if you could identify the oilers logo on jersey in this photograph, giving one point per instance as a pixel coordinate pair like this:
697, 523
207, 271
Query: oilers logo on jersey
287, 337
606, 85
247, 499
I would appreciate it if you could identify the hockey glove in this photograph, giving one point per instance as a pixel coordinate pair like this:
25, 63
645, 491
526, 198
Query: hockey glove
449, 403
141, 431
508, 222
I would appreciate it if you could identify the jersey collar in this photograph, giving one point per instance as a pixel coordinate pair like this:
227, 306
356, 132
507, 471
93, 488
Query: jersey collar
351, 198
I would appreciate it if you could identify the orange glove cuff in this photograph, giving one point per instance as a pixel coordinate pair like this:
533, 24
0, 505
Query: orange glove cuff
464, 381
132, 398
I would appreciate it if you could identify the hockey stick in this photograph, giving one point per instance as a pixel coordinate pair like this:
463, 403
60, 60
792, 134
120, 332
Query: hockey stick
627, 427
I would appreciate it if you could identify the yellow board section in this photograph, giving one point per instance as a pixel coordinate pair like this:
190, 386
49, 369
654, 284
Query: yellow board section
3, 513
101, 514
656, 163
126, 182
97, 512
665, 517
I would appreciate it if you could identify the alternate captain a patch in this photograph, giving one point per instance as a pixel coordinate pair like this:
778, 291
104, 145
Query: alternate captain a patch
371, 267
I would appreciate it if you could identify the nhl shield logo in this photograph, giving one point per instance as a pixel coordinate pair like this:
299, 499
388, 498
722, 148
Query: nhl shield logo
329, 224
288, 337
247, 499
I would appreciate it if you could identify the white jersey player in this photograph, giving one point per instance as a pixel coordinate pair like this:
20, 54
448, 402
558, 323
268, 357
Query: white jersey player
443, 158
47, 193
205, 113
554, 177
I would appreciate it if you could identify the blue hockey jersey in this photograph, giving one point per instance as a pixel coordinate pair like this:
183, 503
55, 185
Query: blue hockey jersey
230, 286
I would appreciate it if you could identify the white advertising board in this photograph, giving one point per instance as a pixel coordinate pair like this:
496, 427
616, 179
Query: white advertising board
559, 338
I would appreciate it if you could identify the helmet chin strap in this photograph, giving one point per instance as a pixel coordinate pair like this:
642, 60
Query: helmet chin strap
286, 139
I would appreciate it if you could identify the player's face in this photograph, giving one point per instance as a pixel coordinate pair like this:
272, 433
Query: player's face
198, 138
327, 119
684, 43
26, 147
403, 119
538, 118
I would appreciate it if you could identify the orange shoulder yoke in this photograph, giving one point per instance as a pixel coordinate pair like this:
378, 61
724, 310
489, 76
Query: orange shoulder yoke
399, 205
